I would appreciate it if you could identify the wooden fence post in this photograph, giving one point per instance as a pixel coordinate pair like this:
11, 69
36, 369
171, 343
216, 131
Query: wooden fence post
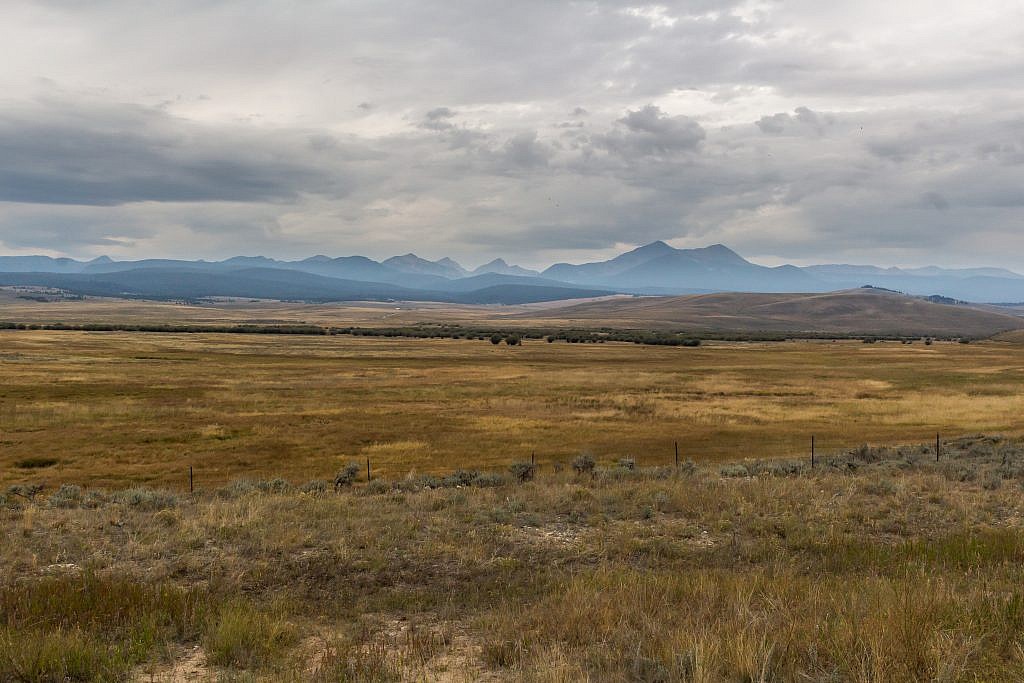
812, 451
677, 455
938, 447
367, 469
191, 485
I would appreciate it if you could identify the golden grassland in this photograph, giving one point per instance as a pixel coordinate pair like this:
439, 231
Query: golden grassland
119, 409
14, 308
879, 565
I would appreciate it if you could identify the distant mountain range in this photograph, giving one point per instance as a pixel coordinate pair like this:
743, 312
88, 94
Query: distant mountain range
653, 269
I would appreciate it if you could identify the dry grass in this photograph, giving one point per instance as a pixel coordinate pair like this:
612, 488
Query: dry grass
879, 565
119, 409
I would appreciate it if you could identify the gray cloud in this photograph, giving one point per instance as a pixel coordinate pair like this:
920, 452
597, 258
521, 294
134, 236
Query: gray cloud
649, 131
63, 153
533, 130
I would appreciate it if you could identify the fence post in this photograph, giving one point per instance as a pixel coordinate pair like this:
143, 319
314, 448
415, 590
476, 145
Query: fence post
938, 447
191, 486
812, 451
367, 469
677, 455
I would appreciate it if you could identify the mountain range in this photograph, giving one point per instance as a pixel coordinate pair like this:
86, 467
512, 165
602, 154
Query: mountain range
653, 269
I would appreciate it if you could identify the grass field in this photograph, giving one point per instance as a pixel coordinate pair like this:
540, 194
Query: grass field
879, 565
119, 409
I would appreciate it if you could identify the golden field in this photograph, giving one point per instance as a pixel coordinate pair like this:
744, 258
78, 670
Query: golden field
743, 565
119, 409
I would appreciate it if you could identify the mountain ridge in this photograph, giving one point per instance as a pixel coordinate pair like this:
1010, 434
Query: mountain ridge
656, 268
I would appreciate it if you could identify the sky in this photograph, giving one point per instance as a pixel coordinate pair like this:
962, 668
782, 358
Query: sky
886, 132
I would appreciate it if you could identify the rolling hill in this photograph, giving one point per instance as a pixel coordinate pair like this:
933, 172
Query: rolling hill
864, 311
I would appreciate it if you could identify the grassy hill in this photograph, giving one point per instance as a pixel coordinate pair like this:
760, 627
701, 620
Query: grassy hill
857, 311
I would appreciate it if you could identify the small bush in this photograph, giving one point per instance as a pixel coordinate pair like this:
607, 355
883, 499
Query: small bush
489, 480
460, 478
145, 499
347, 475
734, 471
27, 491
513, 340
314, 487
583, 463
67, 496
786, 468
377, 487
273, 486
522, 471
627, 463
495, 339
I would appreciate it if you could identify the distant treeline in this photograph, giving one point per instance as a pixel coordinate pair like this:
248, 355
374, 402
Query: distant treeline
492, 334
132, 327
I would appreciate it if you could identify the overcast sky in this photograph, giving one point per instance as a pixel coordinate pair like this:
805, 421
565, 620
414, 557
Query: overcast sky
887, 132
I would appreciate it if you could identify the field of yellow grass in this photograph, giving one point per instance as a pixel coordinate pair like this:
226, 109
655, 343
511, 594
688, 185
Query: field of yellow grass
120, 409
458, 561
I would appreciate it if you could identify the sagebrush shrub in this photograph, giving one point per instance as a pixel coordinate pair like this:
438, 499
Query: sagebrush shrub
347, 475
583, 463
522, 471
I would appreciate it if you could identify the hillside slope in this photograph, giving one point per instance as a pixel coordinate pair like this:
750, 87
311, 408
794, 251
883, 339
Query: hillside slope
858, 311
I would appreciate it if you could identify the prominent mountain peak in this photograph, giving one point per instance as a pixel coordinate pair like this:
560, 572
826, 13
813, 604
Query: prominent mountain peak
655, 248
101, 260
411, 263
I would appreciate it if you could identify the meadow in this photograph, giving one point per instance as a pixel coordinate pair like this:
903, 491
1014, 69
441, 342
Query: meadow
122, 409
459, 560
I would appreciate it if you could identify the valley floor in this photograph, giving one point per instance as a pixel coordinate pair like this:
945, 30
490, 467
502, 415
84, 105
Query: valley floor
118, 409
459, 560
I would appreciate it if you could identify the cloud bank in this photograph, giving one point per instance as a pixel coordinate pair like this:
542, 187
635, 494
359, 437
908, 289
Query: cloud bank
539, 131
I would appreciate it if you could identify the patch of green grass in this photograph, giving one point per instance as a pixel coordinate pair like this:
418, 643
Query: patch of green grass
242, 636
89, 628
35, 463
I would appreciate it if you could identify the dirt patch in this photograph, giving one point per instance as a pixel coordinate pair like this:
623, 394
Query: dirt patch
189, 666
